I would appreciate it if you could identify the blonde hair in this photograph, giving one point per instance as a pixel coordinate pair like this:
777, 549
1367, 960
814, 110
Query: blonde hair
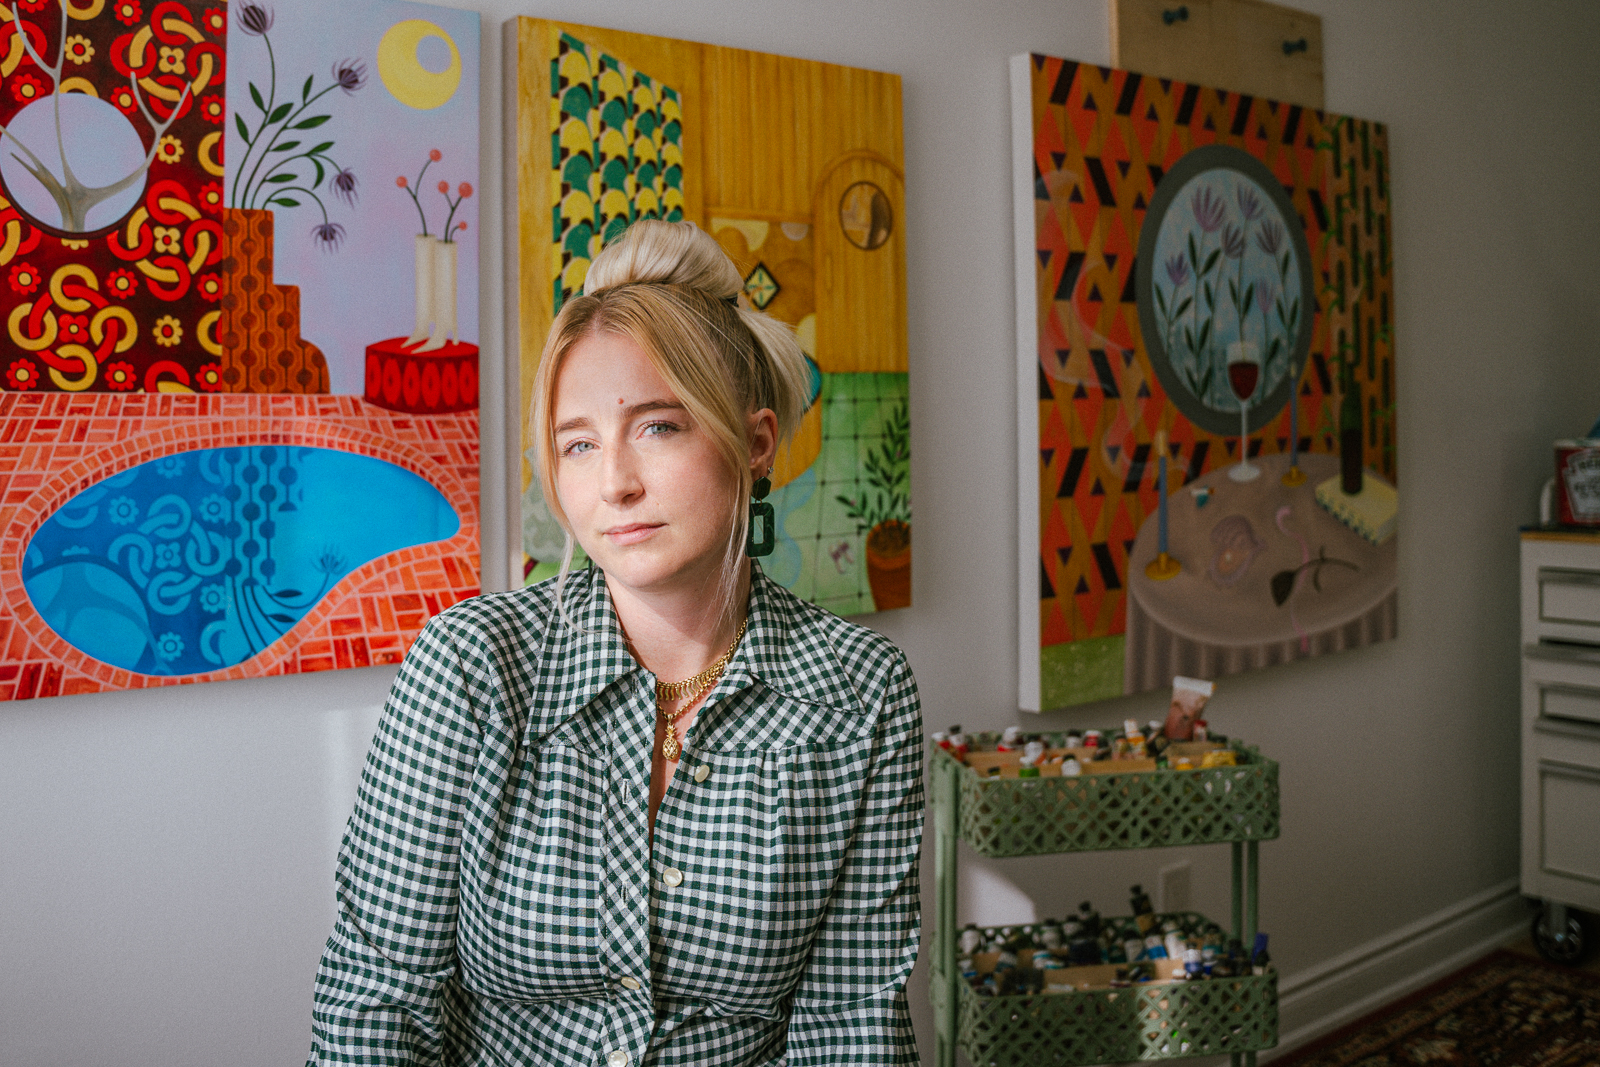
671, 290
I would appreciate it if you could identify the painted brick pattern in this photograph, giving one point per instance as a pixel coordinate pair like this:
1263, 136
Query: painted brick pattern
53, 446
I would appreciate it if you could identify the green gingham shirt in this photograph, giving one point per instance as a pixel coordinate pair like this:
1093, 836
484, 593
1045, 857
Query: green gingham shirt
499, 898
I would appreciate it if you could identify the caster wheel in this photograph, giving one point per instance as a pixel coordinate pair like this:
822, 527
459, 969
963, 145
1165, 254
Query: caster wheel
1569, 946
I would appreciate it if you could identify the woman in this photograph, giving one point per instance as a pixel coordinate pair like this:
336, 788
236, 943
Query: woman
655, 812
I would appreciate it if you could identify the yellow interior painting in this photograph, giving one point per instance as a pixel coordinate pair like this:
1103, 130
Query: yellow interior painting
796, 168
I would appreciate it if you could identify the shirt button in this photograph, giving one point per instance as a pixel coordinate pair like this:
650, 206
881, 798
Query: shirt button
618, 1058
672, 876
702, 772
630, 983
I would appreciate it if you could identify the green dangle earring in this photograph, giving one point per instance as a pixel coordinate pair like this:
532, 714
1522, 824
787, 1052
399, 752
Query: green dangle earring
761, 514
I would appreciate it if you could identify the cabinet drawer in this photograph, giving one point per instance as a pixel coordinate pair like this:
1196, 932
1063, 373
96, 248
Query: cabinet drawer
1569, 798
1568, 598
1562, 682
1569, 595
1564, 741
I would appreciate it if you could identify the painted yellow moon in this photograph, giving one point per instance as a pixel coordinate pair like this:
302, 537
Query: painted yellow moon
407, 80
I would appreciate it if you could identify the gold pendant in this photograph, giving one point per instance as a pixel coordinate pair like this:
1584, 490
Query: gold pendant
670, 748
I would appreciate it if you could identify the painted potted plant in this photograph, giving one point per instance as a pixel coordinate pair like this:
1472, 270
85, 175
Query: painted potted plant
883, 512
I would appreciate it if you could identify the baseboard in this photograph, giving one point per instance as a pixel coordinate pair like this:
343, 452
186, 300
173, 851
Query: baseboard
1320, 999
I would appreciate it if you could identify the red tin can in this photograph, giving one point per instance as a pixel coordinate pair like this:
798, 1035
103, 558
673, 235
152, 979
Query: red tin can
1578, 482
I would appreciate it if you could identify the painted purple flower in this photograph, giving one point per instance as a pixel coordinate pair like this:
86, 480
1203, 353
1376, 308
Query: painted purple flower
1249, 203
350, 74
1208, 209
1265, 291
1233, 242
1178, 271
1270, 237
253, 18
344, 186
330, 235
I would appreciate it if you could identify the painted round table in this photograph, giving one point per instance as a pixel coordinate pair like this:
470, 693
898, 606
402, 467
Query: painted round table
1220, 615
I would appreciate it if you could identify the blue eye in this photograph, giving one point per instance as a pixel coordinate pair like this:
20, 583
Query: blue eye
577, 447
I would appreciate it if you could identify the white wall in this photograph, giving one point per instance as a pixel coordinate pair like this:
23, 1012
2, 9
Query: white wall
166, 856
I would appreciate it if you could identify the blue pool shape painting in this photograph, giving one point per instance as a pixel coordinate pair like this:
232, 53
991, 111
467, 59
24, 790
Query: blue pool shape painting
201, 560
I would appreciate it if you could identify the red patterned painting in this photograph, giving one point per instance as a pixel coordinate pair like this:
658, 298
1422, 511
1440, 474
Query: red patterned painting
214, 462
1209, 481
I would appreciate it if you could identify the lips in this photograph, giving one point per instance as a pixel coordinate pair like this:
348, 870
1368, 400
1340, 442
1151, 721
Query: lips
631, 534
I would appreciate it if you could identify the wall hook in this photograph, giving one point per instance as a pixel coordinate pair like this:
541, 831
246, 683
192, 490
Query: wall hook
1170, 16
1291, 47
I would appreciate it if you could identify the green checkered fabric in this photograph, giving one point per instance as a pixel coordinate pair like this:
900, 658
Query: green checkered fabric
499, 898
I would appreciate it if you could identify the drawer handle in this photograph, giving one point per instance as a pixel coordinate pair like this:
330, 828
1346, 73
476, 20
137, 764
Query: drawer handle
1567, 770
1555, 576
1557, 652
1567, 728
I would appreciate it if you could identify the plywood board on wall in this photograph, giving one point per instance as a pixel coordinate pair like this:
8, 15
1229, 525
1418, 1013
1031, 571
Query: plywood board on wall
796, 168
1245, 46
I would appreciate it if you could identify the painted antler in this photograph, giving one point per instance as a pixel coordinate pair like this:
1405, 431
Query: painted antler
74, 199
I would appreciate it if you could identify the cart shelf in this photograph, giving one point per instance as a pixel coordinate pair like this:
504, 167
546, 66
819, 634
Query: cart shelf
1135, 809
1003, 817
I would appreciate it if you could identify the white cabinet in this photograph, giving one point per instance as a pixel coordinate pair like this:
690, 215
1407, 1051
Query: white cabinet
1561, 719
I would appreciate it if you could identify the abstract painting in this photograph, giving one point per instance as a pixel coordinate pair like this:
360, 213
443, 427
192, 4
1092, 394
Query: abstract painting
796, 169
1208, 476
238, 431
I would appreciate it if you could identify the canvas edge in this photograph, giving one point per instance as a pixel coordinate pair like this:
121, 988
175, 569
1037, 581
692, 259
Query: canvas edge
1029, 695
511, 272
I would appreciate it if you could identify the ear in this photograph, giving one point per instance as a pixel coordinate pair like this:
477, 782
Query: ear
761, 431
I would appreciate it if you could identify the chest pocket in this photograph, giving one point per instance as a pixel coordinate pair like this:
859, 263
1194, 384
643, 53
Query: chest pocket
528, 928
759, 840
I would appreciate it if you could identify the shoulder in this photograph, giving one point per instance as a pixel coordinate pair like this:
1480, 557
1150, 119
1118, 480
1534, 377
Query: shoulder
513, 619
834, 654
489, 644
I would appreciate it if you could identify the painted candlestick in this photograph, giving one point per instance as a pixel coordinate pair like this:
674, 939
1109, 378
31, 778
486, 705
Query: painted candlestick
1163, 566
1294, 475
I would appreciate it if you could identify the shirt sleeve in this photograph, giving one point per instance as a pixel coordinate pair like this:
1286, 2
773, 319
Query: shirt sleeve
378, 988
850, 1005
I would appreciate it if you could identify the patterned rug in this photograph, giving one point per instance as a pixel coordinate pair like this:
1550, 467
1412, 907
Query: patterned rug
1506, 1010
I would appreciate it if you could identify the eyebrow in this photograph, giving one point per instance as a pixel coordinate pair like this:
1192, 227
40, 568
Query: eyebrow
631, 412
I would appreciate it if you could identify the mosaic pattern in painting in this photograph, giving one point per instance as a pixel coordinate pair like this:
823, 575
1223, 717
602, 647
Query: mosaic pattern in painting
1103, 138
821, 555
53, 448
617, 152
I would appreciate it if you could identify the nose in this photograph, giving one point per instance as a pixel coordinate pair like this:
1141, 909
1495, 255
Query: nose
619, 476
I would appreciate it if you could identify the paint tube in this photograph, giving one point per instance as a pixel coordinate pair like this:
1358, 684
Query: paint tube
1189, 696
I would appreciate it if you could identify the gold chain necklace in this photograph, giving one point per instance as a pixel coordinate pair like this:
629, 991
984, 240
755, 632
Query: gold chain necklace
692, 688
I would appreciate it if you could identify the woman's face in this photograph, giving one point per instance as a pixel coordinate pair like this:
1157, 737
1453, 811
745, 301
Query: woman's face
646, 492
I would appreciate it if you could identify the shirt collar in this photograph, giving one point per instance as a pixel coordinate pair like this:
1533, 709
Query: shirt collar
785, 648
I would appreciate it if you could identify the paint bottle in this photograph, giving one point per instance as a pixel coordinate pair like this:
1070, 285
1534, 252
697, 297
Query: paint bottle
1144, 912
1074, 739
969, 969
1175, 945
1093, 739
1260, 961
1071, 768
1050, 935
1133, 949
958, 742
970, 940
1193, 965
941, 739
1032, 753
1010, 739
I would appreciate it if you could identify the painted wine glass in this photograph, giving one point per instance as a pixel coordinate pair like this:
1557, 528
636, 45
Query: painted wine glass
1244, 374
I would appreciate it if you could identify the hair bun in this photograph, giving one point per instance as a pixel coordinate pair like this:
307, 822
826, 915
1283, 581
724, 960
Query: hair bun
665, 253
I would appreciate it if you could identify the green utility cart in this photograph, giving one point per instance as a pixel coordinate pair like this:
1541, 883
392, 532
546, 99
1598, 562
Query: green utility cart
1137, 809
